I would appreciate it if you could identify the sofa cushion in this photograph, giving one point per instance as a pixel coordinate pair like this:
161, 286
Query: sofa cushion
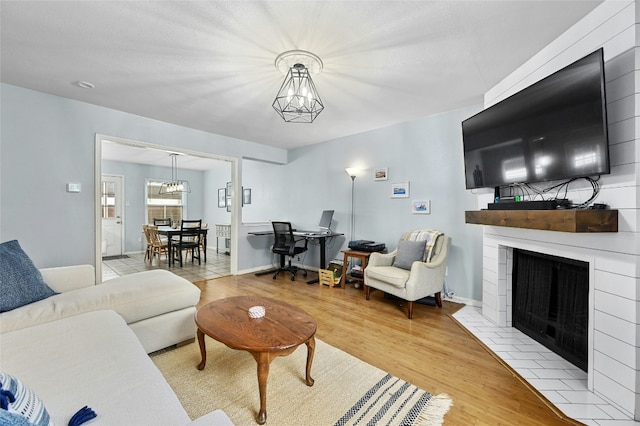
20, 281
21, 401
397, 277
92, 359
135, 297
408, 252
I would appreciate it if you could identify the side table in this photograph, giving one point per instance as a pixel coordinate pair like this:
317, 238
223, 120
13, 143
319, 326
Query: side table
364, 258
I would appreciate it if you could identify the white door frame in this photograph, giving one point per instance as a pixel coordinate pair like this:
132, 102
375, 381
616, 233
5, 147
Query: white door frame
119, 205
235, 177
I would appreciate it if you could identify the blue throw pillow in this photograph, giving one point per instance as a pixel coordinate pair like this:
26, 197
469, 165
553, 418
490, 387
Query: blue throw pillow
20, 401
20, 281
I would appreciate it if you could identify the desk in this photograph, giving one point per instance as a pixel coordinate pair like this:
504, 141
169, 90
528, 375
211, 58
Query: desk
171, 232
364, 258
322, 239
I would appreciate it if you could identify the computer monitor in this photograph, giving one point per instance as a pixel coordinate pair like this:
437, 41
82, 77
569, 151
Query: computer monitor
325, 220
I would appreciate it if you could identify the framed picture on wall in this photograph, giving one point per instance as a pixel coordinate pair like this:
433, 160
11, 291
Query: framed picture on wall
246, 196
400, 190
381, 173
229, 194
421, 206
222, 198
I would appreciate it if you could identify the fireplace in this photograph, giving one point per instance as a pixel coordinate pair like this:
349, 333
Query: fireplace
550, 302
611, 313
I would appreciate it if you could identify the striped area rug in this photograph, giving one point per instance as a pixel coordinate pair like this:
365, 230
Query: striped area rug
393, 401
347, 391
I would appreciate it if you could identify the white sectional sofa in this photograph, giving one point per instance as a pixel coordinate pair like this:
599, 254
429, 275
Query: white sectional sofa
158, 305
94, 359
67, 342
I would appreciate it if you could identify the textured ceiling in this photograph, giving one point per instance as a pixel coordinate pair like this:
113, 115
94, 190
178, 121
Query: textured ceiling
210, 65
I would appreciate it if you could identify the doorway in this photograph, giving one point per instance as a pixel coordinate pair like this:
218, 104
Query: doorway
111, 196
140, 155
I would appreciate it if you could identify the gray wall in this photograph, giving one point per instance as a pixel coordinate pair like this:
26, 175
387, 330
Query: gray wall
213, 180
47, 141
426, 152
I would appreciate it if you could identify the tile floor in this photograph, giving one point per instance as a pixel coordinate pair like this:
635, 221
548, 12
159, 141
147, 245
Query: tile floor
562, 383
217, 265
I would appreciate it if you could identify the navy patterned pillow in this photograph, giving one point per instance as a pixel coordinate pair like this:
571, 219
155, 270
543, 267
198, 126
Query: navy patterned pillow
20, 401
20, 281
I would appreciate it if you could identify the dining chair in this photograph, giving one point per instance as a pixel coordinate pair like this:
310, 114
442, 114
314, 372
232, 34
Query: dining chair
165, 221
188, 239
158, 246
147, 250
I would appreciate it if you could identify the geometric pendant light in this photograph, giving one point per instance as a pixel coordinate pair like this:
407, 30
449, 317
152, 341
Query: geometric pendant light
175, 185
298, 100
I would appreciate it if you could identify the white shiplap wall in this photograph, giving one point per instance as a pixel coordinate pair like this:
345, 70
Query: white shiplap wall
614, 259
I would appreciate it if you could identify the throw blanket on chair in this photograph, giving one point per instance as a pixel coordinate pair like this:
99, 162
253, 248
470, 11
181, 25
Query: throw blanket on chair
430, 237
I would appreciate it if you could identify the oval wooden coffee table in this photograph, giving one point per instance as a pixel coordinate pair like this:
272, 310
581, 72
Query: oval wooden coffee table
283, 328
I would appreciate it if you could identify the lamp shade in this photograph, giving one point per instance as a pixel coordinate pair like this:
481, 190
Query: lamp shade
298, 100
351, 171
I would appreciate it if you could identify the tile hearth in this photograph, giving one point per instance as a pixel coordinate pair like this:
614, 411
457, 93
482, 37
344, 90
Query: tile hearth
562, 383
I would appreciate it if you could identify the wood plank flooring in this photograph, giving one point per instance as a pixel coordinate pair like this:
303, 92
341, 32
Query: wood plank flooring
431, 351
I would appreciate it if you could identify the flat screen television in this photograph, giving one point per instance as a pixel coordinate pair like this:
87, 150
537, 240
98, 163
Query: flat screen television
555, 129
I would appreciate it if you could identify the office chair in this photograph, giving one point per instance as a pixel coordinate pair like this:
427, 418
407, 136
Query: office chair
285, 244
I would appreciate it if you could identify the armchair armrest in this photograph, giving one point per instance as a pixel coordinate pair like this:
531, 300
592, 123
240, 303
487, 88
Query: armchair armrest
382, 259
426, 278
67, 278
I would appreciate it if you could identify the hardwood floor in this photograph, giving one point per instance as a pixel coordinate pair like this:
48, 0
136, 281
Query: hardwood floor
431, 351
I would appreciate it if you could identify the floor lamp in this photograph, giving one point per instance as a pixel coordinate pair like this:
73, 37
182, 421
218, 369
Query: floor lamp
352, 174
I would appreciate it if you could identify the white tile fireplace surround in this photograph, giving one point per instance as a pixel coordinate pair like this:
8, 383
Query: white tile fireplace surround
612, 373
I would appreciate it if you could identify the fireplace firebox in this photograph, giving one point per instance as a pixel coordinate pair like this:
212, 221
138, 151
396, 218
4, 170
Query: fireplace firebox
550, 303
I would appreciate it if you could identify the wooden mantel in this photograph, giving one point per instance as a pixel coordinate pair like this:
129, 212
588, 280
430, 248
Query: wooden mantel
549, 220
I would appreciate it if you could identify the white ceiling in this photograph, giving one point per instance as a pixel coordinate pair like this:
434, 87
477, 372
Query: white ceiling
209, 65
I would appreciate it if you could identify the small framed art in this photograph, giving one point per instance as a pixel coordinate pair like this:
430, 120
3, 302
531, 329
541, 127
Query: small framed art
400, 190
381, 173
421, 206
246, 196
222, 198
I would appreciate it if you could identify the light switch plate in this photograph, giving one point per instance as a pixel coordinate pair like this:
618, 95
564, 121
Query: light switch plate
73, 187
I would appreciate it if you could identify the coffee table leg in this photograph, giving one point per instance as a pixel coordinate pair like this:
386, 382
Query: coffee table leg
311, 348
263, 361
203, 351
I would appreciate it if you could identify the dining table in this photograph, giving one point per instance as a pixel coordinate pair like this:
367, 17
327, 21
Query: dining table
170, 232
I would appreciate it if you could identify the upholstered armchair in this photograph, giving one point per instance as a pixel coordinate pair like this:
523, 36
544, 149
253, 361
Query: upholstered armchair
414, 270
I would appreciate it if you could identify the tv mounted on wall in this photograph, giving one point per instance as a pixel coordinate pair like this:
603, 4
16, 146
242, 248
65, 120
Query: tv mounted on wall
554, 129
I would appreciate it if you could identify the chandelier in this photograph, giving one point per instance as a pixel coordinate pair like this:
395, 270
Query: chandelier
298, 100
175, 185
